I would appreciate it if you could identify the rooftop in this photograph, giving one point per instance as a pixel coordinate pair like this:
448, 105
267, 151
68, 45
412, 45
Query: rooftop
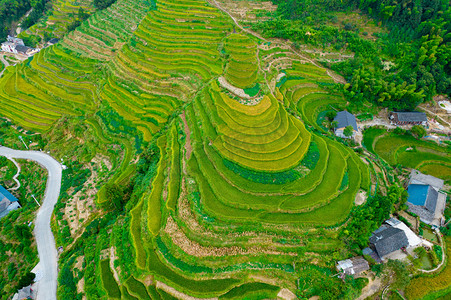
388, 239
417, 177
22, 49
411, 116
53, 41
5, 194
345, 119
353, 266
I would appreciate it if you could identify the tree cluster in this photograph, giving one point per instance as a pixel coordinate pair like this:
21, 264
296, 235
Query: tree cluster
11, 11
418, 46
367, 218
102, 4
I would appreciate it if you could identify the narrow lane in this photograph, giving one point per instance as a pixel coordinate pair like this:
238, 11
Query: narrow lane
45, 241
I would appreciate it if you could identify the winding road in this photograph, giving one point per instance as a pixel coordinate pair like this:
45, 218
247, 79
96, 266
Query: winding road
45, 241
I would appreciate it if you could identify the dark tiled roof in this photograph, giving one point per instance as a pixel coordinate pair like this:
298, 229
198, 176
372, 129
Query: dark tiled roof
5, 194
388, 240
22, 49
412, 117
344, 119
53, 41
431, 201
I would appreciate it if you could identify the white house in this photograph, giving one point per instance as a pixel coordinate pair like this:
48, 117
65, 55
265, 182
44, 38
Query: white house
17, 46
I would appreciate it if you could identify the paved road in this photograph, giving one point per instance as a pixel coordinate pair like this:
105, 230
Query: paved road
44, 237
5, 63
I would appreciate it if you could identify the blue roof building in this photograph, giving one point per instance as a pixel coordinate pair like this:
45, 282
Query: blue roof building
8, 202
423, 201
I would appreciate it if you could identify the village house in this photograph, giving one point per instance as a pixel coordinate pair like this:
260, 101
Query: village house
425, 198
392, 240
345, 119
353, 266
52, 41
16, 46
8, 202
11, 44
408, 118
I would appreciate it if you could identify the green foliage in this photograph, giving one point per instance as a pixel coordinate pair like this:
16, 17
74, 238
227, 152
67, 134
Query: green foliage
312, 156
102, 4
348, 131
418, 44
253, 91
418, 131
108, 281
25, 280
253, 290
368, 217
261, 177
117, 194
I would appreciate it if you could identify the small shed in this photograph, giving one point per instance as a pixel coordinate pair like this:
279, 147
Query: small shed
353, 266
53, 41
345, 119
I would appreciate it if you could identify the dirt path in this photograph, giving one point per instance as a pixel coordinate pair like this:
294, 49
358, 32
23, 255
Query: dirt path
188, 146
437, 231
372, 287
15, 176
436, 115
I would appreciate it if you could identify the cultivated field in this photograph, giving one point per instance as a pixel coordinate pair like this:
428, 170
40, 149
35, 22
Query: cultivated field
229, 198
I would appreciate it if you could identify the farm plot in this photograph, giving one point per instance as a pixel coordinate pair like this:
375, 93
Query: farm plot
63, 12
246, 188
242, 67
40, 92
106, 31
410, 152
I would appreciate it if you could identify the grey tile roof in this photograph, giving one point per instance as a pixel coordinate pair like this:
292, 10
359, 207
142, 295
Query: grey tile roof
22, 49
344, 119
416, 177
412, 116
431, 200
388, 240
353, 266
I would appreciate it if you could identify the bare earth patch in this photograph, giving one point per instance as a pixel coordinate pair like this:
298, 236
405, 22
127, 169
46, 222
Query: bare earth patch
177, 294
286, 294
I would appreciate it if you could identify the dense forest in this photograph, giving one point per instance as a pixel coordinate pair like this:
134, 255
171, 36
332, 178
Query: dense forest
417, 43
12, 11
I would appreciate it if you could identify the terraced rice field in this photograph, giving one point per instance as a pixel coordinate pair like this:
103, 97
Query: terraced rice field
240, 194
106, 31
63, 12
426, 156
242, 67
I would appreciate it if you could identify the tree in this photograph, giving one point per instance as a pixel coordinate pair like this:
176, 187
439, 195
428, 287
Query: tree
348, 131
331, 115
418, 131
334, 124
25, 280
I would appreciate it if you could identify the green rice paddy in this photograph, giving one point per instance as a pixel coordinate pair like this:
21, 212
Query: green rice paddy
232, 179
